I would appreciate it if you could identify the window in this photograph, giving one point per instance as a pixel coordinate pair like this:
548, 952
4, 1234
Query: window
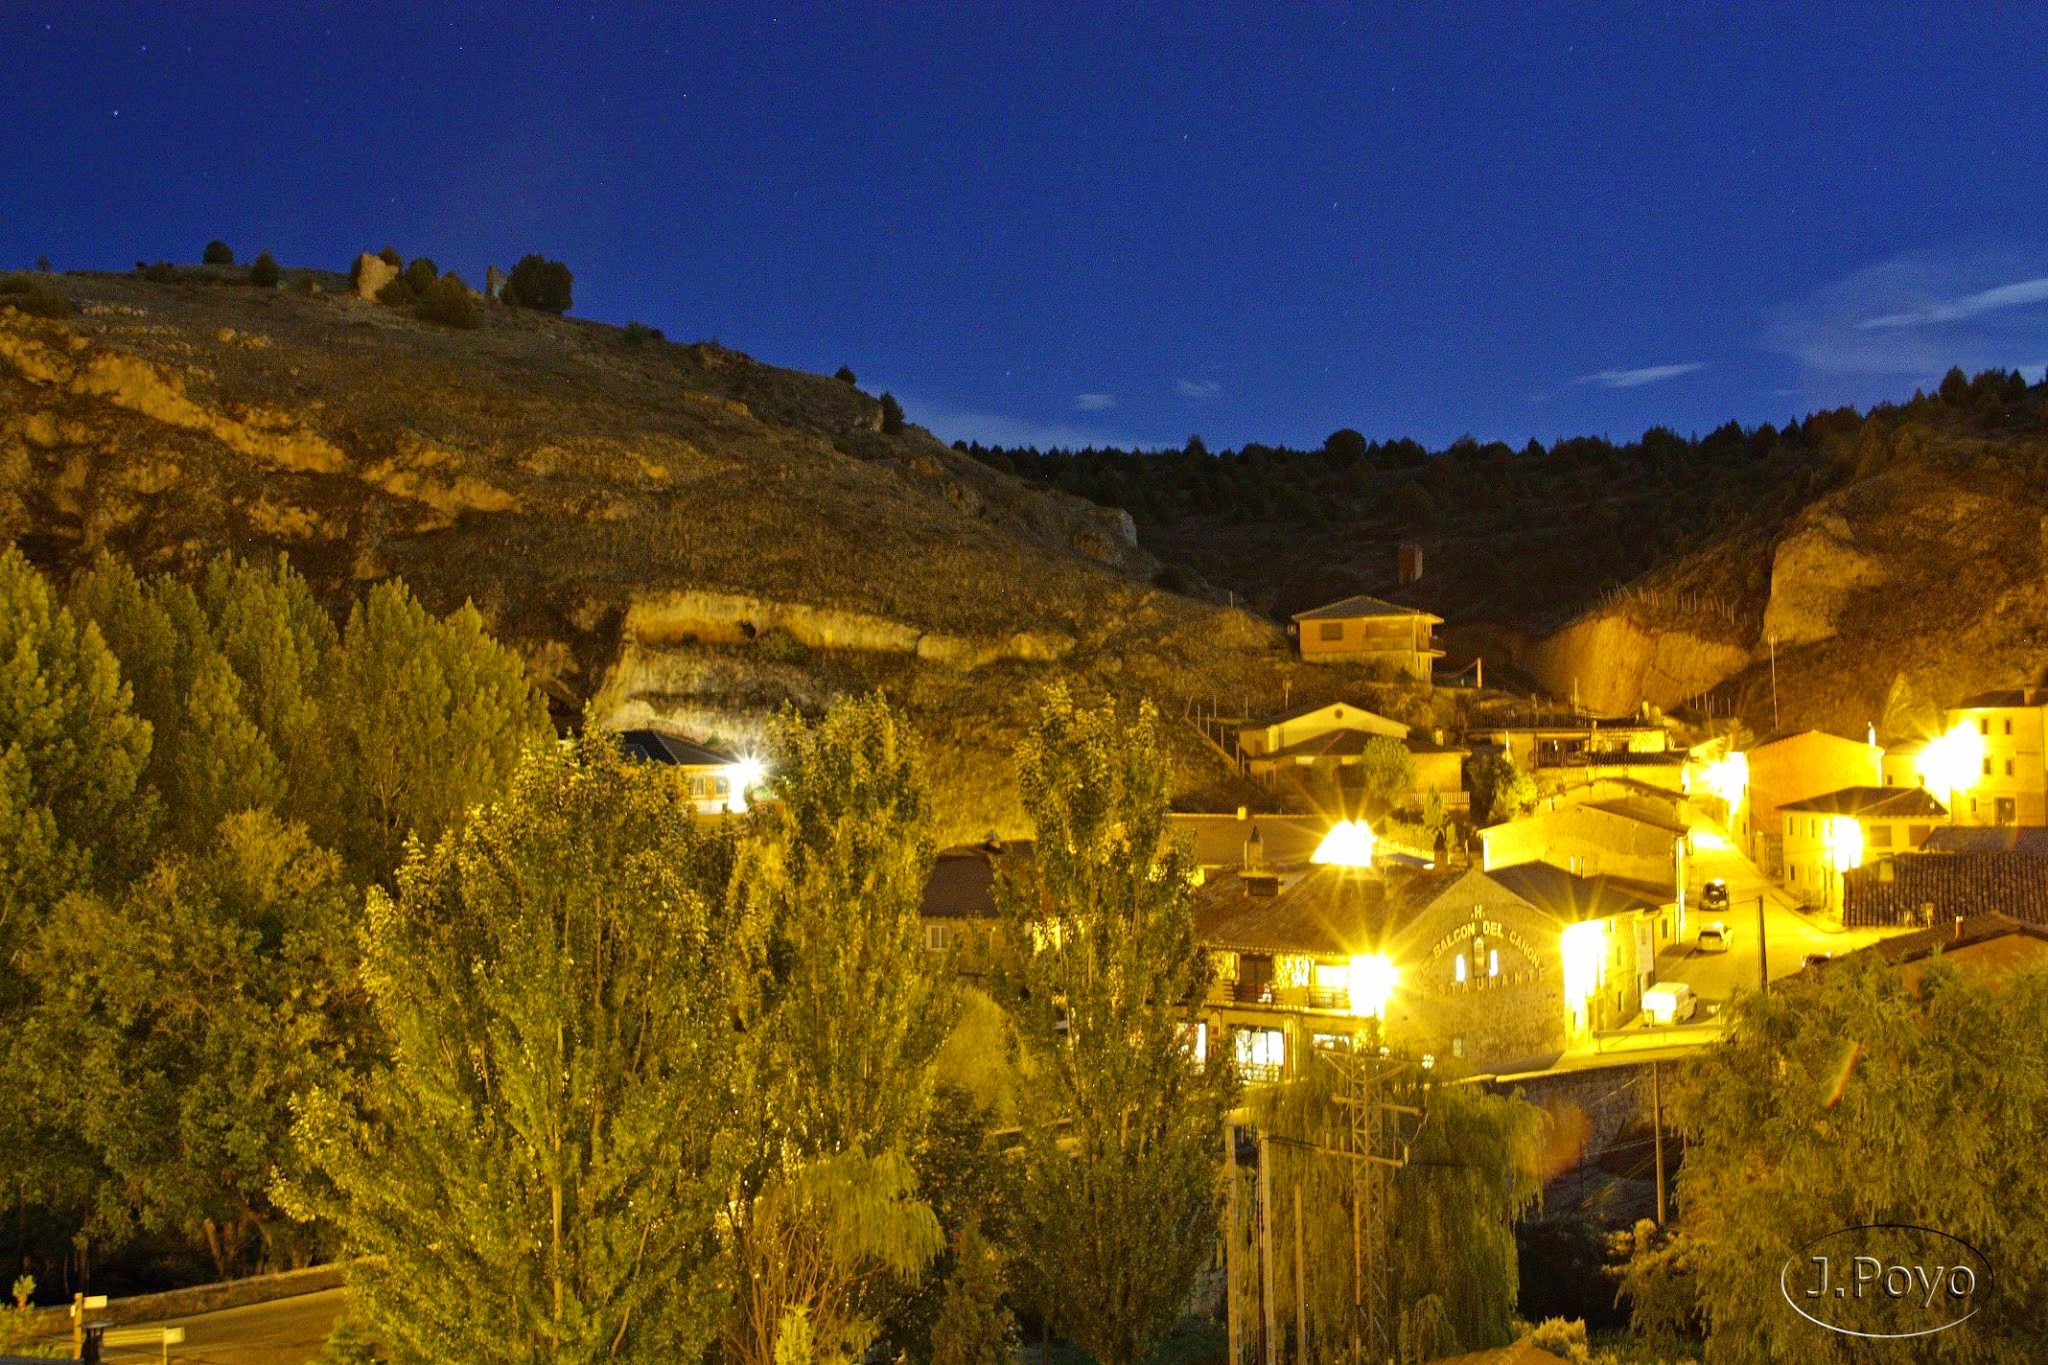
2008, 727
1330, 630
2008, 767
1261, 1052
1458, 970
1879, 836
1987, 767
938, 937
1984, 726
1493, 962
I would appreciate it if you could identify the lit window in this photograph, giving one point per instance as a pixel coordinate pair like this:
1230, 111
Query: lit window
1458, 969
1493, 962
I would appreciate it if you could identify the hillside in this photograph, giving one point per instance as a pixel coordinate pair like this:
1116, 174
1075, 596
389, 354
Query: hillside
1898, 558
663, 530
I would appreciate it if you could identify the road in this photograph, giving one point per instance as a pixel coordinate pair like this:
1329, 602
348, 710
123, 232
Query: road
282, 1332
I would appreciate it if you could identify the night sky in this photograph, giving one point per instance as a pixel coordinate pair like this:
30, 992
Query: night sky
1056, 224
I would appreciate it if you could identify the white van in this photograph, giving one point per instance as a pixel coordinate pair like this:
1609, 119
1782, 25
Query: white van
1669, 1002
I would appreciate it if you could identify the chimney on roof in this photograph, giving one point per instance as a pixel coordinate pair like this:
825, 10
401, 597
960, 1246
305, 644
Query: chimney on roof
1255, 851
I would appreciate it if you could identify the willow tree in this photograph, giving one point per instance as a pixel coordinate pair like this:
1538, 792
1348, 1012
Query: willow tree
539, 1173
1117, 1181
853, 1011
1859, 1098
1475, 1168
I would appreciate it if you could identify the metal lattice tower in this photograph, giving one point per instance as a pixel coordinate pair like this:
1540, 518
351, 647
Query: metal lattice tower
1373, 1142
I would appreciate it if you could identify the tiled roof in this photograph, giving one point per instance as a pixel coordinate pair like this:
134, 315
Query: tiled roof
1655, 814
1351, 608
1944, 937
962, 884
1872, 803
1571, 899
2004, 699
2014, 884
1284, 839
1784, 737
1985, 839
1351, 744
1300, 711
652, 746
1327, 911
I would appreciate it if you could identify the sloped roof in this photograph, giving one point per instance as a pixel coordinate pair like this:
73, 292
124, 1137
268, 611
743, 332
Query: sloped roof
1986, 839
1327, 911
2004, 698
1353, 608
1571, 899
1642, 812
2014, 884
1871, 803
1301, 712
1351, 744
1946, 937
653, 746
962, 883
1786, 736
1284, 839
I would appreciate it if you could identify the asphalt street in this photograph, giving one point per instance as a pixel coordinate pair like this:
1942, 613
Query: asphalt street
282, 1332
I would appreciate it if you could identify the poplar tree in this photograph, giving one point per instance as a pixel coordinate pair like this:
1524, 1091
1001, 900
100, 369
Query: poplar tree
853, 1014
1117, 1181
427, 717
278, 640
539, 1172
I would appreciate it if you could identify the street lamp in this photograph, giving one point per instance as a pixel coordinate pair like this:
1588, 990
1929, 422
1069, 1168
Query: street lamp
1953, 762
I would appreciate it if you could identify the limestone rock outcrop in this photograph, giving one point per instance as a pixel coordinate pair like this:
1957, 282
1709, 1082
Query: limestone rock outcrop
372, 273
1814, 573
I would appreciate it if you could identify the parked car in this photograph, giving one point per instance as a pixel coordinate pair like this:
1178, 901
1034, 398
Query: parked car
1714, 897
1669, 1002
1715, 938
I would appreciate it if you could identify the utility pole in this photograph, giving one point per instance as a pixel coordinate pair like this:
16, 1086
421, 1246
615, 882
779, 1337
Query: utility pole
1230, 1240
1657, 1119
1270, 1316
1763, 954
1300, 1285
1774, 680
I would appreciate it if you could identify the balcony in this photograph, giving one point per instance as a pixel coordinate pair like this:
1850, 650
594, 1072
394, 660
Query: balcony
1265, 993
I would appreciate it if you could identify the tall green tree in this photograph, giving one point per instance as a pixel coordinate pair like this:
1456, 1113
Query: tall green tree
1500, 790
539, 1173
1860, 1098
278, 639
185, 1014
209, 759
1386, 772
72, 755
426, 718
853, 1014
1117, 1182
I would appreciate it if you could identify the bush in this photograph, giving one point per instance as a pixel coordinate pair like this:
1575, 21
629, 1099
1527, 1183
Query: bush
29, 295
218, 253
43, 264
892, 415
844, 374
1173, 578
421, 274
639, 334
397, 292
540, 284
161, 272
448, 301
389, 255
265, 274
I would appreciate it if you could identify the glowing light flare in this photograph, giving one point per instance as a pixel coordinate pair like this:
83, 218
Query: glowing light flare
1706, 841
1845, 843
743, 777
1584, 949
1373, 980
1728, 778
1953, 762
1348, 844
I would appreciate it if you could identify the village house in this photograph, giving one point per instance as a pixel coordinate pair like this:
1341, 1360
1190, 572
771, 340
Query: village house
959, 912
1987, 949
1330, 741
1637, 841
1796, 767
1831, 834
1497, 968
1401, 641
2011, 784
717, 781
1248, 840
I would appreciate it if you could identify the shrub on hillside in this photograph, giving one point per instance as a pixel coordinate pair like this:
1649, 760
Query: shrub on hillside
844, 374
421, 274
540, 284
265, 274
892, 415
389, 255
639, 334
448, 301
218, 253
159, 272
29, 295
397, 292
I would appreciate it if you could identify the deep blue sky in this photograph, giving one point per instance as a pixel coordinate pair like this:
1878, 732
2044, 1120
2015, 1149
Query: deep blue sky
1051, 223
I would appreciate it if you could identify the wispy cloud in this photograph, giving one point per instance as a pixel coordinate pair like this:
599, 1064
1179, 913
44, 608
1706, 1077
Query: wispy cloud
1636, 378
1094, 402
1197, 388
1912, 317
954, 423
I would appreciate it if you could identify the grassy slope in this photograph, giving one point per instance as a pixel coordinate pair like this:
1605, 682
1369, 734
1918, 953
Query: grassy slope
551, 469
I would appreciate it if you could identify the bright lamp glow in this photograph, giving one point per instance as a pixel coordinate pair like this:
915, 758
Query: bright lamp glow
1728, 778
1372, 984
1348, 844
1584, 948
1953, 762
744, 776
1845, 843
1706, 841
